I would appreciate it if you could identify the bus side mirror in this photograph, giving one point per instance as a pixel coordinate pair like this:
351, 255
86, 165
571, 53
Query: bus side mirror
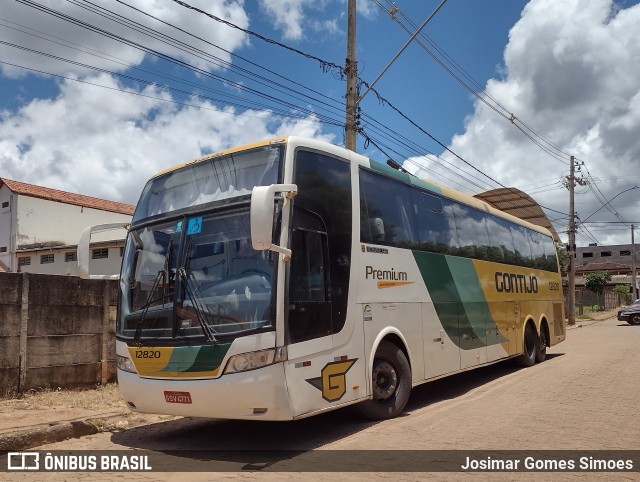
262, 198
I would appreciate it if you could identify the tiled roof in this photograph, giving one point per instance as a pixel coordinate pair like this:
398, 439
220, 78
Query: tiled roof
602, 267
32, 190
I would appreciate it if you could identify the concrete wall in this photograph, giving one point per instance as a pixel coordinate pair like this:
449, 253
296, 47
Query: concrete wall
613, 254
55, 331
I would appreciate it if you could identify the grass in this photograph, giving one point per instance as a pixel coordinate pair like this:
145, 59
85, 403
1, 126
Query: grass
103, 397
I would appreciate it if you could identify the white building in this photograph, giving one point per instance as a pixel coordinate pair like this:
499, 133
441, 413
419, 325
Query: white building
40, 228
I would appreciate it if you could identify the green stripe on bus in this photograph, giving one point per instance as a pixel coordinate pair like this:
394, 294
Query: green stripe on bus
196, 358
457, 298
475, 304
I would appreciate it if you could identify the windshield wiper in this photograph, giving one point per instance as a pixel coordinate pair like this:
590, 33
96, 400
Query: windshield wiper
164, 274
197, 308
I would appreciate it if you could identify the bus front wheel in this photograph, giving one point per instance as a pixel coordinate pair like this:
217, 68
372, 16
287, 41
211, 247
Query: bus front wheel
391, 376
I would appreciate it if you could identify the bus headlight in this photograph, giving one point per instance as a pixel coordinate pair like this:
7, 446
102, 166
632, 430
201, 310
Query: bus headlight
126, 365
255, 359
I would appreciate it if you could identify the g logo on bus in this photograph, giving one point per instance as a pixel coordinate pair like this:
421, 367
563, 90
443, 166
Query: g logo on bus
333, 382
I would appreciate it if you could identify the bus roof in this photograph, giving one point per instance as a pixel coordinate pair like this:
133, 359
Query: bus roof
376, 165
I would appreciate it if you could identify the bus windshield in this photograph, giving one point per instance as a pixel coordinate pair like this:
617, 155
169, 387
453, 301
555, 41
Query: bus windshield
195, 277
213, 179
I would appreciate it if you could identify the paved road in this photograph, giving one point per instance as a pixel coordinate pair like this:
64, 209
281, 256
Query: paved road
585, 396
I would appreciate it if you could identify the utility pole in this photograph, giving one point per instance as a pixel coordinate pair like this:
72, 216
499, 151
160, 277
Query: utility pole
351, 72
634, 288
571, 315
571, 184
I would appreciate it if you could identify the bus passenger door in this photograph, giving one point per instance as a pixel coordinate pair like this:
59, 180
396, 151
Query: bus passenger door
319, 376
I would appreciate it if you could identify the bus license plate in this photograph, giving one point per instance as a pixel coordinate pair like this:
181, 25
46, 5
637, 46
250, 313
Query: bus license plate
177, 397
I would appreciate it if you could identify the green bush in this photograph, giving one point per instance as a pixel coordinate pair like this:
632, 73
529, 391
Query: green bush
624, 291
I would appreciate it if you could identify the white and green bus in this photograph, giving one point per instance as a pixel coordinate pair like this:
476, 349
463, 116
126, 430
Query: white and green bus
289, 277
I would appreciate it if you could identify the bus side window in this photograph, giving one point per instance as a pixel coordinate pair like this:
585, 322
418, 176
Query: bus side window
436, 228
472, 232
376, 228
521, 245
537, 250
386, 211
500, 240
550, 254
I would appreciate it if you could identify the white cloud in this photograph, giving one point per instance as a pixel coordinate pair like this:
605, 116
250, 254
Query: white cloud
35, 30
572, 72
296, 18
367, 9
107, 144
287, 15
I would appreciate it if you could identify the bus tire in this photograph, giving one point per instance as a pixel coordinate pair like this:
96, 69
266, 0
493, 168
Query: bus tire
541, 345
528, 358
391, 375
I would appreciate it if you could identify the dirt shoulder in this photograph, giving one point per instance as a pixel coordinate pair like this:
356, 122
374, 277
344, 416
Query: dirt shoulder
51, 415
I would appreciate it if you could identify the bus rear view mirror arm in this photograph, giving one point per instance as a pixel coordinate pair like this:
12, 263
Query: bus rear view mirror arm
262, 198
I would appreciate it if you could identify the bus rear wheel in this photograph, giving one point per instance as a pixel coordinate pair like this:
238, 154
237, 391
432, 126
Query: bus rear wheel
391, 376
541, 346
528, 358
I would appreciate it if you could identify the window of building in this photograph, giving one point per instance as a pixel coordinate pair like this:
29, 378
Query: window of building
46, 258
71, 256
587, 255
5, 205
102, 253
24, 261
625, 252
605, 254
3, 249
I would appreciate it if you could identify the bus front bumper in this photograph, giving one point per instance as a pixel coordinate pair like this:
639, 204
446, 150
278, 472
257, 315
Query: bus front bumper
253, 395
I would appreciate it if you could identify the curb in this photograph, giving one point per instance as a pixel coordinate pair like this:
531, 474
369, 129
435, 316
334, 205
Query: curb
51, 433
46, 434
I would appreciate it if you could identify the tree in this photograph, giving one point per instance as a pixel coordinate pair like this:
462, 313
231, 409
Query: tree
596, 281
623, 292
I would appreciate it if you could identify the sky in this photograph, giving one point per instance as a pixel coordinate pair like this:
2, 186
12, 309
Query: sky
99, 96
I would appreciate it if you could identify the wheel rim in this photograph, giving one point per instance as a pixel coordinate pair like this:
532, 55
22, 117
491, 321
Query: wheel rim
385, 380
635, 319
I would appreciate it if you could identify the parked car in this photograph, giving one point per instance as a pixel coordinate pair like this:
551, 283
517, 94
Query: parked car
630, 314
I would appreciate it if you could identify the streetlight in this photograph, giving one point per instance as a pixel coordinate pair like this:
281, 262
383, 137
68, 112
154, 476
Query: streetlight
608, 202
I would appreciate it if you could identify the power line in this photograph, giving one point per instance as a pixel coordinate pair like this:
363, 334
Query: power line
166, 57
449, 65
326, 65
139, 94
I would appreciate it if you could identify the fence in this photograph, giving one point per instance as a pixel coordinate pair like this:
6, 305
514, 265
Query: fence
55, 331
596, 302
